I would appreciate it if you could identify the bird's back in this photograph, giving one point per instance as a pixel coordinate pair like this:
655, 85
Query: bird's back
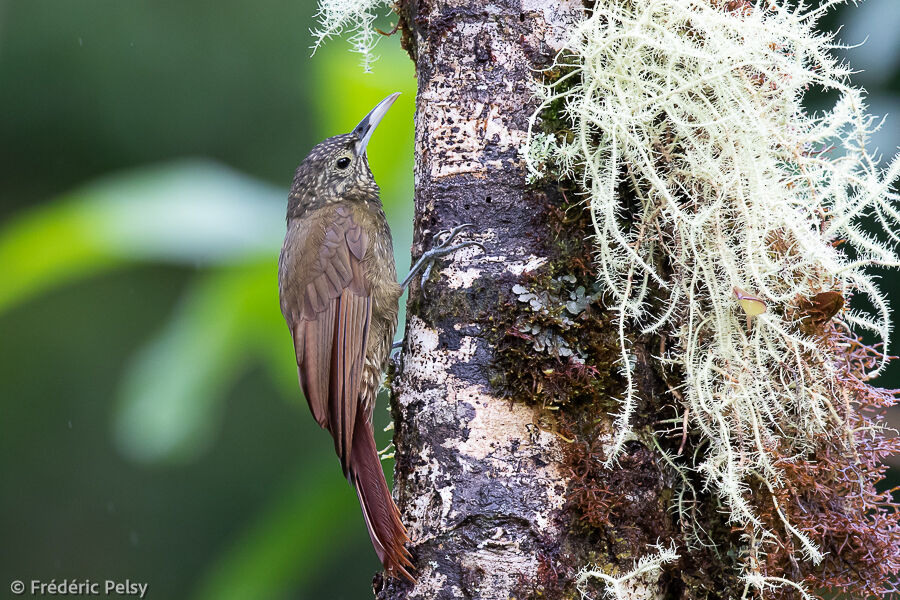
339, 295
305, 256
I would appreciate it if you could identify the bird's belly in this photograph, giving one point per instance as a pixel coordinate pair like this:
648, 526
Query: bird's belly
385, 304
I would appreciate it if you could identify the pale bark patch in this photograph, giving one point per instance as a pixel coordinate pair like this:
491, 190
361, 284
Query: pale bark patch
503, 567
526, 265
425, 361
460, 276
553, 26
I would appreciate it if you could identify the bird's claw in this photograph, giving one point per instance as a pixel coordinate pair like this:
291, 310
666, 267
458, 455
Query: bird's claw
453, 232
443, 248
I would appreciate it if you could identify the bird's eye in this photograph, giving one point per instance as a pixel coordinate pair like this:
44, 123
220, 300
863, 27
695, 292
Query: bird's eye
343, 163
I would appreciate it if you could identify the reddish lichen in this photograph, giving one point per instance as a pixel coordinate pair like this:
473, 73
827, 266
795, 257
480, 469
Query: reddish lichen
833, 495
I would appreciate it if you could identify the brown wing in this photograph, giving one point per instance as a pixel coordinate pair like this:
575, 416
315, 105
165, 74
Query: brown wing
328, 307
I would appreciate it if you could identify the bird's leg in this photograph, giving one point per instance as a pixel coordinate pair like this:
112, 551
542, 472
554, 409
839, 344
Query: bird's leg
443, 248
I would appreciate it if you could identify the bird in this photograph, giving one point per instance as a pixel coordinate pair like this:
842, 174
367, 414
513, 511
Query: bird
339, 295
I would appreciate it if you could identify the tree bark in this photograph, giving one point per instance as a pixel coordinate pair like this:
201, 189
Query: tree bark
479, 484
504, 396
482, 478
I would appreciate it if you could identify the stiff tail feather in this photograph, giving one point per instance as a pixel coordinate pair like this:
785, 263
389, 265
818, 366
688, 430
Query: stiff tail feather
382, 516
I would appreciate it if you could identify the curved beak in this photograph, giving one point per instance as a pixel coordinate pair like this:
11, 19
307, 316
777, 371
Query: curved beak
367, 126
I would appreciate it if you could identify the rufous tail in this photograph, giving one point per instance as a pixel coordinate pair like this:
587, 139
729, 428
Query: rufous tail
382, 516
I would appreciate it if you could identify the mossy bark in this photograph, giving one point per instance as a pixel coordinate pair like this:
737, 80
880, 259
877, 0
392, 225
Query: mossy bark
499, 446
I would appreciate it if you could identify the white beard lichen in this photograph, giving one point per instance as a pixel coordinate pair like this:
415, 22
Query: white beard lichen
744, 199
638, 584
356, 16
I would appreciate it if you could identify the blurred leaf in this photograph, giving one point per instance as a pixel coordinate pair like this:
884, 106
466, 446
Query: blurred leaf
191, 212
171, 391
289, 543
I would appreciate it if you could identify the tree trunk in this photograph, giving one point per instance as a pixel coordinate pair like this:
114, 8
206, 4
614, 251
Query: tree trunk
483, 476
505, 392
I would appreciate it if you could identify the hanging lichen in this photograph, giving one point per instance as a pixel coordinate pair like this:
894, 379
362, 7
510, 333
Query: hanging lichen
743, 220
336, 17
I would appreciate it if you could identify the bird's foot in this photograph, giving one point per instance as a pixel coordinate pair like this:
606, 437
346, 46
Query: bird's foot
443, 248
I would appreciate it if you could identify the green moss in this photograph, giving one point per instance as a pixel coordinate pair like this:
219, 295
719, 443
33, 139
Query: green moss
554, 344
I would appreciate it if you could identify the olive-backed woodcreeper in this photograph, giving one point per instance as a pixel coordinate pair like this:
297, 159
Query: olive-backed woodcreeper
339, 295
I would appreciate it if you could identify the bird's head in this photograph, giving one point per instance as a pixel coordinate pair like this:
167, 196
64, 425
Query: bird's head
337, 169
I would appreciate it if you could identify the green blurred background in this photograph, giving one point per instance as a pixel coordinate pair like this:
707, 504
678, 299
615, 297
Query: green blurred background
151, 424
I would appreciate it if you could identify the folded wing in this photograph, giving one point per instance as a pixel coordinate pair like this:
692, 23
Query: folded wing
330, 309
